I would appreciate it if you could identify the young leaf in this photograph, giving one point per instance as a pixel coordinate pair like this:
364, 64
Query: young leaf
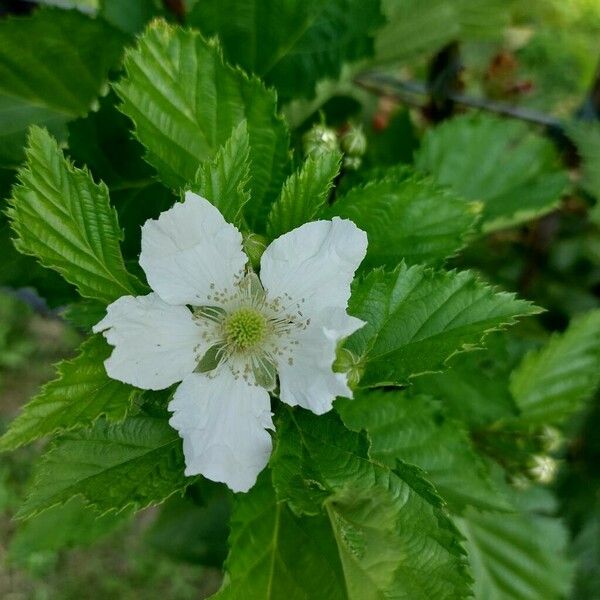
515, 173
393, 536
264, 561
417, 318
81, 393
412, 428
137, 462
518, 556
224, 179
303, 194
41, 56
64, 219
290, 45
407, 217
185, 101
551, 383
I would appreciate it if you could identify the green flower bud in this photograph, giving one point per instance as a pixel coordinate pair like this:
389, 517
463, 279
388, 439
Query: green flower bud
320, 140
352, 163
354, 141
551, 439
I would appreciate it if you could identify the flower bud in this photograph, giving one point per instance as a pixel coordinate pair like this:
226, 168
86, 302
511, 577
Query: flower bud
320, 140
551, 439
352, 163
542, 468
354, 141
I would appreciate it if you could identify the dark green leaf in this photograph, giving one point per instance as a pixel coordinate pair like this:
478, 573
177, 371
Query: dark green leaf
393, 536
414, 429
290, 44
53, 65
135, 463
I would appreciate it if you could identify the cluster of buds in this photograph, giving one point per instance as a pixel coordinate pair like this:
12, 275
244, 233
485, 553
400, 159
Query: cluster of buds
351, 140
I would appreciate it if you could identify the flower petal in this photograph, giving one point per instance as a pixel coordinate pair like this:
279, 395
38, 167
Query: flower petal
315, 262
156, 344
308, 379
223, 423
190, 252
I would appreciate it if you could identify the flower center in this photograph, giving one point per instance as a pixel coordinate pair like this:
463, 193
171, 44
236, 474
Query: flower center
245, 328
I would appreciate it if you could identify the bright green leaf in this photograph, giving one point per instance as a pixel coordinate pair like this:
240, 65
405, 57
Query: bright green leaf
290, 44
514, 172
519, 556
64, 219
393, 536
185, 101
415, 430
552, 383
224, 179
137, 462
53, 65
407, 217
81, 393
418, 317
303, 194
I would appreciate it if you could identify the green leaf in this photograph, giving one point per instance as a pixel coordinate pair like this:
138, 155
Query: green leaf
514, 172
265, 560
133, 15
61, 528
418, 317
291, 44
194, 528
53, 65
303, 194
64, 219
416, 430
518, 556
134, 191
185, 101
393, 536
474, 387
137, 462
586, 136
407, 217
224, 179
415, 27
81, 393
552, 383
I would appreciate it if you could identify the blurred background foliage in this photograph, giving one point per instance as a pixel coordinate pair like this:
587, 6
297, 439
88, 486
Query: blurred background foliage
540, 55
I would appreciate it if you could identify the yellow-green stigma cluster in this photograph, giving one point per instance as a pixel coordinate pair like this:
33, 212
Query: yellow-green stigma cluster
245, 329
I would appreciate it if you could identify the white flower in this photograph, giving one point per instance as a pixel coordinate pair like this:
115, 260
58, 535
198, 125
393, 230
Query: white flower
226, 335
